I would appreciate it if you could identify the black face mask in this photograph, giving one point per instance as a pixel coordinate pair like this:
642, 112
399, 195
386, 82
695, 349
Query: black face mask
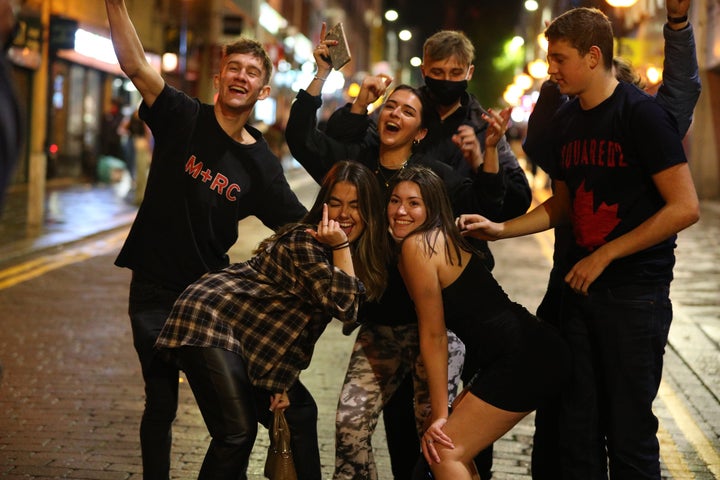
446, 92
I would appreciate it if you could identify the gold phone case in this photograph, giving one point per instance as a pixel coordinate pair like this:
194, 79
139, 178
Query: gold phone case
340, 53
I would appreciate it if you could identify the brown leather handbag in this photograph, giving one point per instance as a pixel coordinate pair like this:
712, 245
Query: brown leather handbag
279, 463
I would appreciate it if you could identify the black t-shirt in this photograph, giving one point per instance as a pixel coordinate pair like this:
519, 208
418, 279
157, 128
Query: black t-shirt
607, 156
201, 183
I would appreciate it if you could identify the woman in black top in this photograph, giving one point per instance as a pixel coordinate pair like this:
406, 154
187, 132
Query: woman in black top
386, 348
517, 361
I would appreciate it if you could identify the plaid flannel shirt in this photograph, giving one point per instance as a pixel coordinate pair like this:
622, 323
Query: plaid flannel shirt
270, 309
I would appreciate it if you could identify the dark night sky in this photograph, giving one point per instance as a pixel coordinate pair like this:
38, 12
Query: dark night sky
431, 16
486, 22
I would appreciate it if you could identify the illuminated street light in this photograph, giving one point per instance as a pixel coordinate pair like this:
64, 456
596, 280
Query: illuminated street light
404, 35
621, 3
95, 46
415, 61
538, 69
169, 62
391, 15
524, 81
512, 95
531, 5
353, 90
542, 42
654, 74
516, 42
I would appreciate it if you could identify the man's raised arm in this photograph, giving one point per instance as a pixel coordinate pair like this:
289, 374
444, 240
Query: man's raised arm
130, 52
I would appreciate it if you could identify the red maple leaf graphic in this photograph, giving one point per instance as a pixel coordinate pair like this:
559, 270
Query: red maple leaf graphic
591, 226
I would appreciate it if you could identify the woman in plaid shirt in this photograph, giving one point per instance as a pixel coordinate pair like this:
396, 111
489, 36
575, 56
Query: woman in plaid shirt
243, 334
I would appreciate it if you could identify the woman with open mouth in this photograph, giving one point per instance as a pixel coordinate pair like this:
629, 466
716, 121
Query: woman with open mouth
386, 347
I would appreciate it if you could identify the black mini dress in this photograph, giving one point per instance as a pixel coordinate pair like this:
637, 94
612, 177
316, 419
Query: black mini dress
517, 360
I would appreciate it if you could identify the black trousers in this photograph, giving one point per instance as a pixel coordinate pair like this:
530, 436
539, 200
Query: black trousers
232, 408
149, 306
546, 457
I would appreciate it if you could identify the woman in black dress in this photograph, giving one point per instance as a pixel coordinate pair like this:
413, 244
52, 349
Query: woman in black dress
519, 361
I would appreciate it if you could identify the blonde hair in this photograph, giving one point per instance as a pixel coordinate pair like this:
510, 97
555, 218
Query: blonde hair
447, 43
625, 72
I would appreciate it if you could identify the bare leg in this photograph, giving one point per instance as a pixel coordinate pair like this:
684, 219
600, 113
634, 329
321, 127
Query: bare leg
473, 425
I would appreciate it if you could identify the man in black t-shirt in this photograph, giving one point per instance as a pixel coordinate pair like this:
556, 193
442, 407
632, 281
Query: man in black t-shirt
210, 169
622, 182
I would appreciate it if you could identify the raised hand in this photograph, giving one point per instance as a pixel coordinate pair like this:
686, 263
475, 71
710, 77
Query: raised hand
497, 126
677, 8
372, 88
468, 143
328, 231
321, 53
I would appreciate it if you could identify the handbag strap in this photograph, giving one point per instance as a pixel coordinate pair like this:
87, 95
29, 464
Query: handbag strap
282, 430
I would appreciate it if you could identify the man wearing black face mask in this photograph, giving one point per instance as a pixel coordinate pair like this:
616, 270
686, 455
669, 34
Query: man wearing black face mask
10, 122
447, 93
447, 67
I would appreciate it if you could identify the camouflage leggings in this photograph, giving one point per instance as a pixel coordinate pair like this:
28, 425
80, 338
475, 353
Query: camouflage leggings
382, 356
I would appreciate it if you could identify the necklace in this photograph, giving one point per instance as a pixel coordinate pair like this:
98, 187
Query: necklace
386, 180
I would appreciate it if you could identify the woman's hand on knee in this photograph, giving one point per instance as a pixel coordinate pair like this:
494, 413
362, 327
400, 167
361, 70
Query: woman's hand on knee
434, 436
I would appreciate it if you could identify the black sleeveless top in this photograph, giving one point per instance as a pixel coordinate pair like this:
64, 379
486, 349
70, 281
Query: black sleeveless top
484, 318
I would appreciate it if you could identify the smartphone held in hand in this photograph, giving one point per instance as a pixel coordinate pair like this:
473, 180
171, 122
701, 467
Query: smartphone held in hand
340, 53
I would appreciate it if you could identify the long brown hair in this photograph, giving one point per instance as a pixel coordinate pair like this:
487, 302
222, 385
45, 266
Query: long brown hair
371, 251
439, 219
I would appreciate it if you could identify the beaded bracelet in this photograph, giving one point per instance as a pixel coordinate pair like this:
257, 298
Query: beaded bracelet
341, 246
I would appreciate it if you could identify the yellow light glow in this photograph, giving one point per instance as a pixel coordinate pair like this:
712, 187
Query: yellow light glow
621, 3
542, 42
169, 62
353, 90
512, 95
391, 15
523, 81
516, 42
654, 74
538, 69
531, 5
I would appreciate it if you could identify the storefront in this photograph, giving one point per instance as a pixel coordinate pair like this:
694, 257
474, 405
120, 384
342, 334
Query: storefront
84, 81
25, 57
294, 69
